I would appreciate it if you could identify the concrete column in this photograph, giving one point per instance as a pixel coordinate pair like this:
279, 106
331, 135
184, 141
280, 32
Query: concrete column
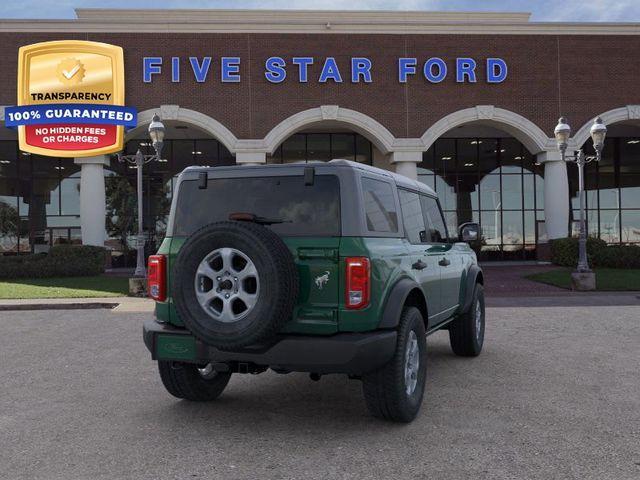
556, 194
251, 158
406, 163
93, 209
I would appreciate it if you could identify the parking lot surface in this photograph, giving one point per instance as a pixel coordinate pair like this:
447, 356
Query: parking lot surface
555, 394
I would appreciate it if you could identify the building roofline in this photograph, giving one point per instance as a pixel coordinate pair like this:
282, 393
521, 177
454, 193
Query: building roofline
310, 21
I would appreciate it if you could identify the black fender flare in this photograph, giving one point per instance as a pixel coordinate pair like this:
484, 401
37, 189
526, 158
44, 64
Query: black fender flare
395, 302
474, 275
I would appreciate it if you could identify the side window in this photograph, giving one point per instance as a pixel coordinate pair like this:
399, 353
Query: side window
412, 217
379, 206
436, 230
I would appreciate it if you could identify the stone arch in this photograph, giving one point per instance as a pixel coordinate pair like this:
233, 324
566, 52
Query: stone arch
382, 138
527, 132
622, 114
180, 114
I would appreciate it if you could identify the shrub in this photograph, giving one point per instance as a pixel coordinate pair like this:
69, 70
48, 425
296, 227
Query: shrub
564, 252
61, 261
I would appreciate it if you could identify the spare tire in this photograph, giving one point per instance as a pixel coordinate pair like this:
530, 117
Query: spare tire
234, 284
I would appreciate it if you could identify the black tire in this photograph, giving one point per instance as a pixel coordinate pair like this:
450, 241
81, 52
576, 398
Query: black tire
466, 339
184, 380
385, 390
278, 284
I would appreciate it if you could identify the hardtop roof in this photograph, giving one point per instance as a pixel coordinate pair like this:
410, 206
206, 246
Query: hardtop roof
399, 180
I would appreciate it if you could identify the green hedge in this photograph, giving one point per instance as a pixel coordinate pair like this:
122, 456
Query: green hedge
564, 252
61, 261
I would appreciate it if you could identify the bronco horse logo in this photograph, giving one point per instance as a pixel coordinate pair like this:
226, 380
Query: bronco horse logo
322, 280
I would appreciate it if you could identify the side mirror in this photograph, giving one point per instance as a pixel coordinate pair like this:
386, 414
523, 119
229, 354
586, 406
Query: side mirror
469, 232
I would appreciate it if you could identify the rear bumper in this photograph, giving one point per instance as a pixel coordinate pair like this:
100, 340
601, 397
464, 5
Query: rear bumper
351, 353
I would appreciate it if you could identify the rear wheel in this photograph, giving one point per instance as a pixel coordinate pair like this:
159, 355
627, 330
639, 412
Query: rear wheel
395, 391
192, 382
466, 333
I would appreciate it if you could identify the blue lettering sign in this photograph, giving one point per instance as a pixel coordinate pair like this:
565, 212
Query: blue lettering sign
428, 70
360, 67
200, 71
175, 69
303, 64
275, 69
465, 67
151, 66
330, 71
230, 70
496, 70
406, 66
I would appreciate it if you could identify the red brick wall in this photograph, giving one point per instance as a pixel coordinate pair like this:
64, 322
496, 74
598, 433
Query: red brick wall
578, 76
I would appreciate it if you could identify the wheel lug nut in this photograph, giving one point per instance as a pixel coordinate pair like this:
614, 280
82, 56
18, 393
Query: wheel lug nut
226, 295
218, 278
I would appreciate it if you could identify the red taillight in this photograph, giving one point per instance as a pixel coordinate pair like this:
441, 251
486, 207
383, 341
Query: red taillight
157, 278
358, 283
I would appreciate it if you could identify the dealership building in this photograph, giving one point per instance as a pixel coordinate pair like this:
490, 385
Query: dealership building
464, 102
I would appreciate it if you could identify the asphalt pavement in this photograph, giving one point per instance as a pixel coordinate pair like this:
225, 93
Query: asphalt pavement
555, 394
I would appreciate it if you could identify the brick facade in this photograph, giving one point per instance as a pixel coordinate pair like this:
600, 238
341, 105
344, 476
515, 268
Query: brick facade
575, 75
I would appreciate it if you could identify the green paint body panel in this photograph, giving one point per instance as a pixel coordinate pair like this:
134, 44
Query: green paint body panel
321, 269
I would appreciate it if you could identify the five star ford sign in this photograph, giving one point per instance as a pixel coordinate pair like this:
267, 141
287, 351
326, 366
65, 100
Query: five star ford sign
70, 99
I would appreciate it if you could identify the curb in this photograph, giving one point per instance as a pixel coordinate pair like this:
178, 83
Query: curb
58, 306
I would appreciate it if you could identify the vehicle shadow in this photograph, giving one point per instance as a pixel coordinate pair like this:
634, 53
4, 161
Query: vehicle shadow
293, 403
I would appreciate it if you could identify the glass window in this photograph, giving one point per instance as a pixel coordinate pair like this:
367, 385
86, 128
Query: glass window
343, 145
318, 147
512, 228
379, 206
206, 152
630, 190
491, 223
512, 192
303, 210
445, 156
70, 196
436, 230
294, 149
630, 226
490, 198
488, 156
182, 156
364, 150
629, 155
467, 154
511, 155
609, 226
412, 217
8, 159
45, 166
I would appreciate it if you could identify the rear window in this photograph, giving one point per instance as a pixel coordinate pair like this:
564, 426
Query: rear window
305, 210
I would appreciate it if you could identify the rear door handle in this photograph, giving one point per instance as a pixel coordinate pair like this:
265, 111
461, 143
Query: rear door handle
419, 265
444, 262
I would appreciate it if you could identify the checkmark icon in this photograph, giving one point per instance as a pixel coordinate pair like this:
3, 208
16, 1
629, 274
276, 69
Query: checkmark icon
71, 73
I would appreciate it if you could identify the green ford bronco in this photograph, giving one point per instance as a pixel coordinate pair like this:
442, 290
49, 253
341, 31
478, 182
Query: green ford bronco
323, 268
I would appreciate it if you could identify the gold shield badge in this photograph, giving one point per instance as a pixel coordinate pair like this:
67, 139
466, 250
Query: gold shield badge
73, 90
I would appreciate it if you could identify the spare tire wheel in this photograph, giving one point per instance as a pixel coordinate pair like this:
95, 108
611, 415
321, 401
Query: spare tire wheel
234, 284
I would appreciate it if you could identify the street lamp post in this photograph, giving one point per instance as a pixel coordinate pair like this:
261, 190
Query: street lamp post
156, 133
598, 132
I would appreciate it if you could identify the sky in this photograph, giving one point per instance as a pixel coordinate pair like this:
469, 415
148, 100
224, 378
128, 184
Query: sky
542, 10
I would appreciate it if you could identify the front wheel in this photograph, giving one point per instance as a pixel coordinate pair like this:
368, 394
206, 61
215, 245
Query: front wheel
395, 391
466, 332
191, 382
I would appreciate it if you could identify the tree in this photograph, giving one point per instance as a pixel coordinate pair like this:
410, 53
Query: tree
121, 209
9, 222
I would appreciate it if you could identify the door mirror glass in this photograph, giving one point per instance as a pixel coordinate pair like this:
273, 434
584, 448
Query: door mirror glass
469, 232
